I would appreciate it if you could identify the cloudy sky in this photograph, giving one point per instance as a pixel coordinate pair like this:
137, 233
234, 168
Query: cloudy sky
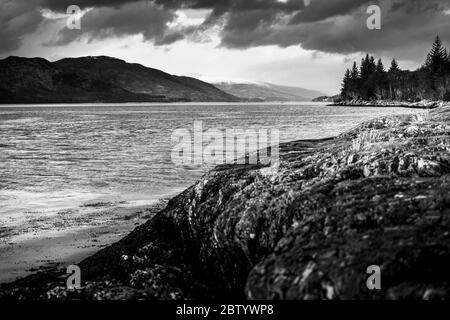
306, 43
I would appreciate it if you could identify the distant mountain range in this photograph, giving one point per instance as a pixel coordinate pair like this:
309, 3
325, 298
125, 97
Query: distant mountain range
97, 79
268, 92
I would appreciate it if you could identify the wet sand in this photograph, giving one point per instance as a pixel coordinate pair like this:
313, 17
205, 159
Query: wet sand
42, 249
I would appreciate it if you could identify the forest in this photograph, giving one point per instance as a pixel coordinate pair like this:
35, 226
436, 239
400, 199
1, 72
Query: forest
371, 81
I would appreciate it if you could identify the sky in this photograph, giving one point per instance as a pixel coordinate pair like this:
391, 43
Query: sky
305, 43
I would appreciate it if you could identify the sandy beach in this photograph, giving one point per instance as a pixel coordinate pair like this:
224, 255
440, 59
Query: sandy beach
49, 249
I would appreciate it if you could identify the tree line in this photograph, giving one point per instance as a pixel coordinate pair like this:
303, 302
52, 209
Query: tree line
371, 81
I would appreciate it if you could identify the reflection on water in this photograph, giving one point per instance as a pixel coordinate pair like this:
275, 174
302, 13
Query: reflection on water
57, 158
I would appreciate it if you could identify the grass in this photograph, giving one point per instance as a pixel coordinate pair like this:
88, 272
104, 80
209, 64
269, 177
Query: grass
368, 138
421, 117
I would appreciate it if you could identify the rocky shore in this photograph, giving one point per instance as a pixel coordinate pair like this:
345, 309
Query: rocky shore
424, 104
306, 229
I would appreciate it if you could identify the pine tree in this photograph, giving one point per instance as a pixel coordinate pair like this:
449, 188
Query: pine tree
447, 61
393, 75
354, 81
394, 67
370, 80
372, 65
380, 80
355, 72
380, 67
367, 84
437, 58
346, 84
365, 68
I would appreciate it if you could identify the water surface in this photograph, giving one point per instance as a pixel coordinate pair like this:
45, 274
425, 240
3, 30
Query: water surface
61, 163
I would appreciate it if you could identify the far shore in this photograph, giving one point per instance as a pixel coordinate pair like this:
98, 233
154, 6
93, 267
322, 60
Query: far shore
424, 104
189, 103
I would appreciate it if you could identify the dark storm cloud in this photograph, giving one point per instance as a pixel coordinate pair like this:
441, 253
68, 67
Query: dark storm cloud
336, 26
61, 5
110, 18
408, 28
144, 18
339, 26
17, 18
322, 9
417, 6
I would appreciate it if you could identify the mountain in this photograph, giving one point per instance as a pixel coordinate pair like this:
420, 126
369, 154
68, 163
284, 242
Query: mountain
97, 79
268, 92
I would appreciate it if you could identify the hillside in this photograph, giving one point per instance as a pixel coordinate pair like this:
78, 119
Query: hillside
267, 92
97, 79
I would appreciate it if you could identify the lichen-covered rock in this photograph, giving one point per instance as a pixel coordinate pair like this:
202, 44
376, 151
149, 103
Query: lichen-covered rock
307, 228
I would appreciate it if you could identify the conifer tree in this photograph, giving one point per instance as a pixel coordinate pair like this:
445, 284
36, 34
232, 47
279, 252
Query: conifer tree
355, 72
372, 65
354, 81
346, 84
437, 58
380, 67
380, 80
394, 67
370, 80
365, 68
448, 58
447, 61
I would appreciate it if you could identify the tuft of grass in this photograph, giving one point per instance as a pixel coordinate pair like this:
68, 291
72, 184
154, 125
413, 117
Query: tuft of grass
367, 138
421, 117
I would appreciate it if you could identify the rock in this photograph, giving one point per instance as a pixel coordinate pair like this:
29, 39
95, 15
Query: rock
428, 168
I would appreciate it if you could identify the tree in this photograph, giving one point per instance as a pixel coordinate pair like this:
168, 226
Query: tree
394, 67
437, 58
354, 82
448, 63
346, 84
393, 79
436, 70
380, 80
380, 67
372, 65
367, 67
355, 72
370, 80
367, 84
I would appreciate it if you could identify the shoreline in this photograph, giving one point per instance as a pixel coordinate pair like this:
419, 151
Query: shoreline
41, 250
377, 194
425, 104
